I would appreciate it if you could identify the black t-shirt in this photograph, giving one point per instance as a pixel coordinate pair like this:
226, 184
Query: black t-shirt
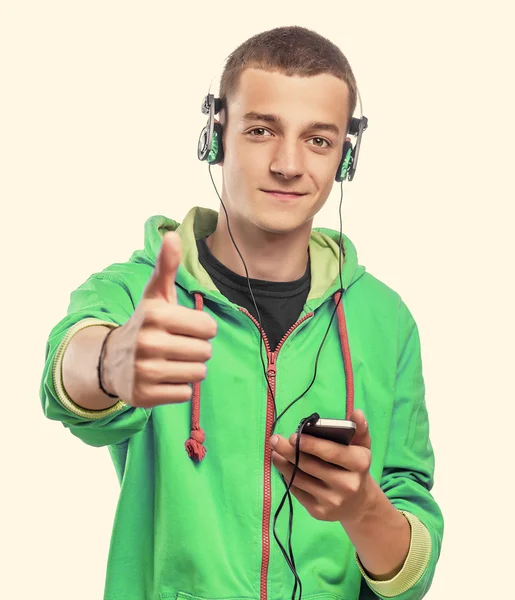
280, 303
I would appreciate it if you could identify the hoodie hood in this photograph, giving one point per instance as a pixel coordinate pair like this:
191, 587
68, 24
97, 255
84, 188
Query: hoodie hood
201, 222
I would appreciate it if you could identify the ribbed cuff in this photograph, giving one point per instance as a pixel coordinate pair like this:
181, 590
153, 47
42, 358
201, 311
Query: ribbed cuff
414, 565
57, 374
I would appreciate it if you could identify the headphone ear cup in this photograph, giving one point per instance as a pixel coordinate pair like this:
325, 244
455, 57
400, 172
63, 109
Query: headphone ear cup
202, 148
216, 152
345, 162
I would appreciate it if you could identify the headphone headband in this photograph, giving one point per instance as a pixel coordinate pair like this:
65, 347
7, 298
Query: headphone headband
209, 101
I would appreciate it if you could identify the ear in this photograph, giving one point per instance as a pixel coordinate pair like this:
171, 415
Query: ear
222, 115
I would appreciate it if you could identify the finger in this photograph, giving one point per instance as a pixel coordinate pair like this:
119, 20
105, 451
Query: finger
312, 505
171, 371
310, 464
302, 480
181, 320
320, 457
362, 436
162, 281
308, 501
164, 394
160, 344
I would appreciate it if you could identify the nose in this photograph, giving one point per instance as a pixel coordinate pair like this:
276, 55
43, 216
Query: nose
287, 160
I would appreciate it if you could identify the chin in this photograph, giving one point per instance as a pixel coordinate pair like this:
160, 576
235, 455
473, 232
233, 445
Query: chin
279, 222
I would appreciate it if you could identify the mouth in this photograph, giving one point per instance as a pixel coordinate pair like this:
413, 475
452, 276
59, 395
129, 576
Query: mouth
283, 195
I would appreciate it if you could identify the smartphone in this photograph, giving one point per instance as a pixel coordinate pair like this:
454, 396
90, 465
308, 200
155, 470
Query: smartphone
335, 430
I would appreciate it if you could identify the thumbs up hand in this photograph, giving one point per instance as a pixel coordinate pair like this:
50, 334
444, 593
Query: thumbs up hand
163, 347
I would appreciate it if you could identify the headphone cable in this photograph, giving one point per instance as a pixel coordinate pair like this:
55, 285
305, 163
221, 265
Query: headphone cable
288, 557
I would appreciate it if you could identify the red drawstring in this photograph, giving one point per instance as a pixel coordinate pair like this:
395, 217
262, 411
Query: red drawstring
194, 446
347, 362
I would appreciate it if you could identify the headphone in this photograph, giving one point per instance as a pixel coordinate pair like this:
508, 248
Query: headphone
210, 146
210, 149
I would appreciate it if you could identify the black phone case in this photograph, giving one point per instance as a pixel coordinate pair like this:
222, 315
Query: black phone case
341, 435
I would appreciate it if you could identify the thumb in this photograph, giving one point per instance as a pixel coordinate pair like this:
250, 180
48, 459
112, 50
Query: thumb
162, 281
362, 435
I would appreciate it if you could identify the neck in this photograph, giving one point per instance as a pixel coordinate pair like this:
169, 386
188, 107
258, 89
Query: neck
268, 256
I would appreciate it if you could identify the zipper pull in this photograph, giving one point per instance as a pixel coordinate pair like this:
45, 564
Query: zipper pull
271, 364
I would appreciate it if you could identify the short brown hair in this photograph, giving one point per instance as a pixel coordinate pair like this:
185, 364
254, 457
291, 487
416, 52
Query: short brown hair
290, 50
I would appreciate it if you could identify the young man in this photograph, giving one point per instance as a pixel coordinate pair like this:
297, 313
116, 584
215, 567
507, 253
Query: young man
191, 524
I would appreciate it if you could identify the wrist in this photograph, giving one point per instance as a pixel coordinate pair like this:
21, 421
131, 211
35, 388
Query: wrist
106, 364
381, 535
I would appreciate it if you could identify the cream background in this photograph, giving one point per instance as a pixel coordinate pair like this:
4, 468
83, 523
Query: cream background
99, 121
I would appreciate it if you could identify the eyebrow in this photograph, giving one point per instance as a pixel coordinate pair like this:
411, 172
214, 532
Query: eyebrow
270, 118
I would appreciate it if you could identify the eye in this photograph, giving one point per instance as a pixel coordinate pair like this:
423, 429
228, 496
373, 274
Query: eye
319, 139
257, 129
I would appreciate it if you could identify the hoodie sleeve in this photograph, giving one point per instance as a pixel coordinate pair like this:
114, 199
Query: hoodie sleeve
103, 299
408, 472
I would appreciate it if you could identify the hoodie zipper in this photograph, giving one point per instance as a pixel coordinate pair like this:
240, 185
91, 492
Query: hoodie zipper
267, 483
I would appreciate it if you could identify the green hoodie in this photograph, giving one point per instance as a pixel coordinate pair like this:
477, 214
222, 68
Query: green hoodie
198, 529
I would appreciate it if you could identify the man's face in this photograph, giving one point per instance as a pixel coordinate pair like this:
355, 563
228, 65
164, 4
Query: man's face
279, 136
